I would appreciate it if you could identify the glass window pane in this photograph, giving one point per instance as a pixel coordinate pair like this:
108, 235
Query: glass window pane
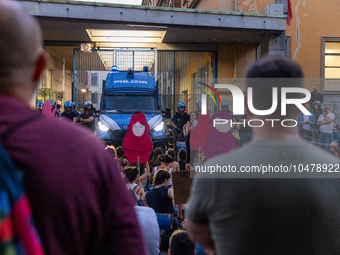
332, 73
332, 85
94, 79
332, 60
131, 102
332, 47
94, 98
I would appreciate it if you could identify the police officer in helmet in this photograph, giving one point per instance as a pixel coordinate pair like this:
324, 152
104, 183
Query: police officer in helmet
53, 105
74, 109
199, 108
225, 107
87, 117
180, 118
68, 113
40, 105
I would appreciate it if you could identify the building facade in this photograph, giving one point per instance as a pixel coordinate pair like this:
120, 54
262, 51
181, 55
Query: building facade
193, 46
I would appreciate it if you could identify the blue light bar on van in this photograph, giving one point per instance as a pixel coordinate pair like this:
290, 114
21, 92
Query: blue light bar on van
114, 69
145, 69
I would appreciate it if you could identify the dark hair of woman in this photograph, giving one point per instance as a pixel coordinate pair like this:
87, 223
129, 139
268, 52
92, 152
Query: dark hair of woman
161, 176
172, 153
112, 150
155, 157
182, 154
120, 152
165, 158
141, 167
131, 173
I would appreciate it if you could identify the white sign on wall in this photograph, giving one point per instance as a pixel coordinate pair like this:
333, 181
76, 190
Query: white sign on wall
85, 47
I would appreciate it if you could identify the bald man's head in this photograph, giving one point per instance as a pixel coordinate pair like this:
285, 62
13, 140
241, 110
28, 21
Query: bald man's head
21, 53
20, 40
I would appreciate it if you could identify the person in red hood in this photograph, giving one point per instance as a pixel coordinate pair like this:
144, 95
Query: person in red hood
137, 142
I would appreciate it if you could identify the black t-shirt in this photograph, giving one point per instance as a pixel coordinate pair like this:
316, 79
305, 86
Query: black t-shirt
182, 165
159, 200
318, 96
69, 116
86, 116
180, 120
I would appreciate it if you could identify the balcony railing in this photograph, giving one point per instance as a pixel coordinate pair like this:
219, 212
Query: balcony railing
163, 3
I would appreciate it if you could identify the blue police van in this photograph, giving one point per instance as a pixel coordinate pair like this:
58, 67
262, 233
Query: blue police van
126, 93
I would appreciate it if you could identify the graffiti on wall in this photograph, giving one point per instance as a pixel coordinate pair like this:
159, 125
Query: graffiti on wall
246, 6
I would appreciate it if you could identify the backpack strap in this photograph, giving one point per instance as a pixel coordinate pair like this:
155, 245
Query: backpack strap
20, 124
138, 189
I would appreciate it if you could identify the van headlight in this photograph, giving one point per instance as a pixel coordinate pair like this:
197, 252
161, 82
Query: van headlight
102, 127
159, 127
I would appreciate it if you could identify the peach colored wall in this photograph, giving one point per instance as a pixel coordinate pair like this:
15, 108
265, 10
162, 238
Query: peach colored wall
208, 5
226, 5
311, 21
221, 5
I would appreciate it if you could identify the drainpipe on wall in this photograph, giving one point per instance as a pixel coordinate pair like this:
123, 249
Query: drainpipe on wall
285, 11
235, 61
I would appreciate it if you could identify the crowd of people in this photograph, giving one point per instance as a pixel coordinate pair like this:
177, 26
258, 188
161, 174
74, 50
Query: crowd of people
153, 196
321, 127
87, 200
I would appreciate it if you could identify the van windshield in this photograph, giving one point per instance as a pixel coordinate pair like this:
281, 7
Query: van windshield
126, 102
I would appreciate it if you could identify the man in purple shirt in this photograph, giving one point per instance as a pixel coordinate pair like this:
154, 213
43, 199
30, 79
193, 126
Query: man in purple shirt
79, 202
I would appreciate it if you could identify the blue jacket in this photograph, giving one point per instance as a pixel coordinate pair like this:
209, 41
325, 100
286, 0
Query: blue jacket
300, 119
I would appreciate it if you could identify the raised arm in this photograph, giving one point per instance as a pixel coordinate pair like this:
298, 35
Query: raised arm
145, 175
